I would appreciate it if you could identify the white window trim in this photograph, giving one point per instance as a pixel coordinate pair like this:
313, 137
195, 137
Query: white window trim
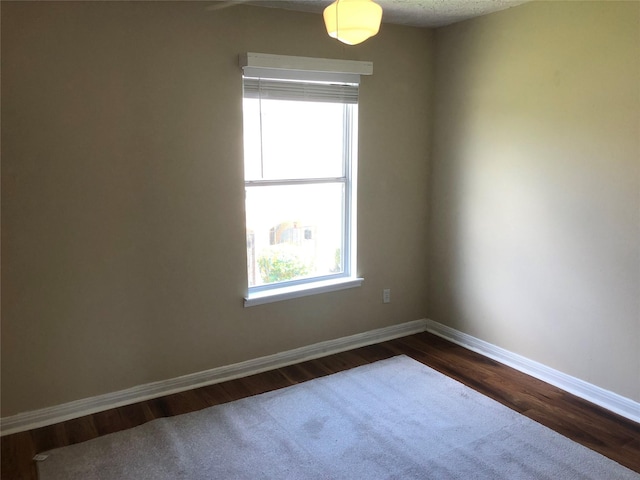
306, 68
303, 290
303, 68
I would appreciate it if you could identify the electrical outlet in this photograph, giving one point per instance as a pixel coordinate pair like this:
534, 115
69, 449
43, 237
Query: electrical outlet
386, 295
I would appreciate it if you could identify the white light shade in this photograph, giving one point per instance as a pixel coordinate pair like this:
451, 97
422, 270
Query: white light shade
352, 21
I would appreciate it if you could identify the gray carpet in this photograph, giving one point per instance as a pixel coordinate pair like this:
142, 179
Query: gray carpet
394, 419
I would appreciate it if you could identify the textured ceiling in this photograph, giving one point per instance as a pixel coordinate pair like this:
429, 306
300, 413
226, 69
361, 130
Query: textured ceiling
416, 13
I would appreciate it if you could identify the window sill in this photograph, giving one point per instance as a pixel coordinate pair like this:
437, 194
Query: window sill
286, 293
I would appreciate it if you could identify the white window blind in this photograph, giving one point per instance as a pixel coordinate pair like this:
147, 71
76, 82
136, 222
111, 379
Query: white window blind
303, 91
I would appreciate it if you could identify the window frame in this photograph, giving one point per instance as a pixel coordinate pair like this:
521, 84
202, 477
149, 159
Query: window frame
304, 69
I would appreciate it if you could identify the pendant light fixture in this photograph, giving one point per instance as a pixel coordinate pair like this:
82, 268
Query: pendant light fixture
352, 21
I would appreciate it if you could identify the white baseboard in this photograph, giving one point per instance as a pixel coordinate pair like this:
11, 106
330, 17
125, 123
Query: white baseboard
609, 400
59, 413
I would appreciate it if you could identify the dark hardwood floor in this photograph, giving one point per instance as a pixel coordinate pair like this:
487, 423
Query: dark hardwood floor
584, 422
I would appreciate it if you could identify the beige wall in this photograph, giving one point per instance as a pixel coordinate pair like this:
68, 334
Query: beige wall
122, 196
535, 222
123, 250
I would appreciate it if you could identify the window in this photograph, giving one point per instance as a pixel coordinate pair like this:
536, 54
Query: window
300, 140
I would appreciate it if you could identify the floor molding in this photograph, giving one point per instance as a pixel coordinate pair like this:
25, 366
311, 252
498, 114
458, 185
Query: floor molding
59, 413
604, 398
